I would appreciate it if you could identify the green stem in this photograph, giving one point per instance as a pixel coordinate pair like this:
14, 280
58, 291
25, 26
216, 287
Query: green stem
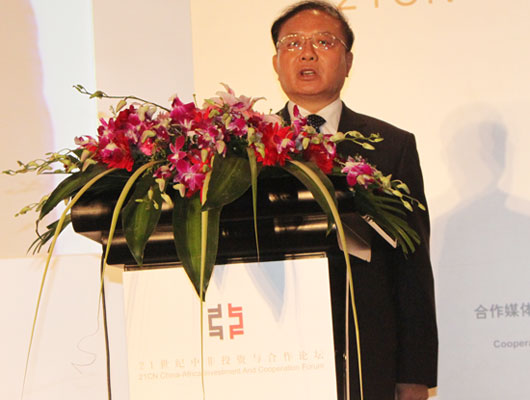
204, 243
48, 260
342, 238
82, 90
115, 215
204, 238
139, 99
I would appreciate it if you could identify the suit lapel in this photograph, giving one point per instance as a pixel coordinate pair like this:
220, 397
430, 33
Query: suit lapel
351, 121
284, 113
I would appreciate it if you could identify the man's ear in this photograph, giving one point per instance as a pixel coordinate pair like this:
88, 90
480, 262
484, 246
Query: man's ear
275, 62
349, 62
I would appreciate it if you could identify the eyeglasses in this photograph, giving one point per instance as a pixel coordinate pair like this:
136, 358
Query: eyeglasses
319, 41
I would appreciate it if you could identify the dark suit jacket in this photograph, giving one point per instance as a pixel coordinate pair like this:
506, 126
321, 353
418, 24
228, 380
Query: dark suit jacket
394, 294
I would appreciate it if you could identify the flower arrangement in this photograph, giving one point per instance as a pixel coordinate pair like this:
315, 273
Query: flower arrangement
198, 159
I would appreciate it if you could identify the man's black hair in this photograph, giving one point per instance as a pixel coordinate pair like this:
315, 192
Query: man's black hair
323, 6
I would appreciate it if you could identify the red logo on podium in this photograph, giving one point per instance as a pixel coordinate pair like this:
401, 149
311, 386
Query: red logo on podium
233, 321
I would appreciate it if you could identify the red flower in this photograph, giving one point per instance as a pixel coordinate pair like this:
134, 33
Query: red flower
278, 142
116, 153
318, 154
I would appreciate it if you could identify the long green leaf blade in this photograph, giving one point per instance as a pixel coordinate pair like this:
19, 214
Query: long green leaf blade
314, 187
187, 233
254, 172
230, 178
70, 185
141, 215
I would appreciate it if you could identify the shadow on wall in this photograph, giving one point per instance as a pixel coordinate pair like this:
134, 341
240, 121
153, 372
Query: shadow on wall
480, 228
481, 266
26, 124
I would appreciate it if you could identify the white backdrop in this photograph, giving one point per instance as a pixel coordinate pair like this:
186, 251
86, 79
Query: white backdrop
456, 74
453, 72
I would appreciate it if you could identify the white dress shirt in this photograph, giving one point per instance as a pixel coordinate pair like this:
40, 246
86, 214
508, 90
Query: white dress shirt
331, 113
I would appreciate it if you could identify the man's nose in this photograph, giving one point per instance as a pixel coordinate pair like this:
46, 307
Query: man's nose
308, 52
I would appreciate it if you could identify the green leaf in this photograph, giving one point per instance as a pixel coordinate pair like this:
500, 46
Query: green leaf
43, 238
121, 201
140, 216
230, 178
187, 234
314, 188
69, 186
254, 172
388, 213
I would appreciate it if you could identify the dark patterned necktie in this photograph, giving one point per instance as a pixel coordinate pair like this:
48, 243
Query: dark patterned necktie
316, 121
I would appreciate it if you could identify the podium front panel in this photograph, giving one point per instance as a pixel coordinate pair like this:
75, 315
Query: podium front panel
267, 332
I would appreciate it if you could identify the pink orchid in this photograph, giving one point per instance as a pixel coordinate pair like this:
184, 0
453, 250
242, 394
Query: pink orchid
176, 153
241, 103
272, 119
358, 172
190, 175
86, 142
163, 172
182, 112
238, 126
298, 122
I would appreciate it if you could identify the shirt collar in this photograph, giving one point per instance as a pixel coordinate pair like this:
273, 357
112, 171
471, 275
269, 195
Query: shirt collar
331, 113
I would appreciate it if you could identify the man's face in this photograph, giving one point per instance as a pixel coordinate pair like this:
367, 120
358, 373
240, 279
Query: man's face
312, 77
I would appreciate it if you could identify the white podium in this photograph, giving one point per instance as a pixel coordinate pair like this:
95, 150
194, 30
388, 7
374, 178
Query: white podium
267, 332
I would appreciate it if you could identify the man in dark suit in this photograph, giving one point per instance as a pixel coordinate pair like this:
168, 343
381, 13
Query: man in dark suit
394, 293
